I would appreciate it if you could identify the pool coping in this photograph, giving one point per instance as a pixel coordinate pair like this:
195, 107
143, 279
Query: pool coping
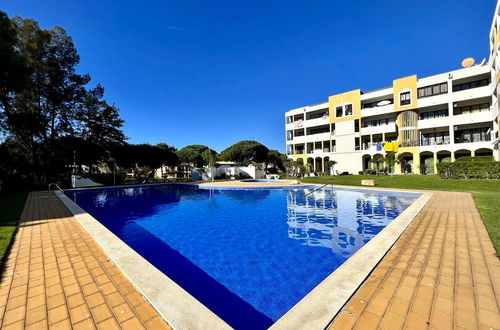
181, 310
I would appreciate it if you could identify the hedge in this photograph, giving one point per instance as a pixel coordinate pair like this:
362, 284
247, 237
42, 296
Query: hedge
469, 170
475, 159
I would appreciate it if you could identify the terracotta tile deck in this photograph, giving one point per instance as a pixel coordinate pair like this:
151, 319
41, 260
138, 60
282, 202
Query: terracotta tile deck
57, 276
442, 273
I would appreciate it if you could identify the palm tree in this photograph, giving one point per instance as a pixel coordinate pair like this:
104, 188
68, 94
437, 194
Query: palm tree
331, 164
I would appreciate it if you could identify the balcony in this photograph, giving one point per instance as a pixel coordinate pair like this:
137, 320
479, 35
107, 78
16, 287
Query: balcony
317, 121
375, 111
429, 101
318, 137
433, 122
373, 148
469, 94
472, 118
389, 128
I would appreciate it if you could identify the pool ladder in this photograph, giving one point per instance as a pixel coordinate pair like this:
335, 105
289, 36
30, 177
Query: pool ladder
54, 184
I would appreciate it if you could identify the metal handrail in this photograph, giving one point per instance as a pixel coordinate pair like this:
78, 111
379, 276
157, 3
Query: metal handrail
326, 184
54, 184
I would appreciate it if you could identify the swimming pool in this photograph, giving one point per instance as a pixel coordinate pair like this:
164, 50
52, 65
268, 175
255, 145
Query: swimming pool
248, 255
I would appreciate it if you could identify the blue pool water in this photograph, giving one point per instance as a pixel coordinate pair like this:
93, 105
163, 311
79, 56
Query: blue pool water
248, 255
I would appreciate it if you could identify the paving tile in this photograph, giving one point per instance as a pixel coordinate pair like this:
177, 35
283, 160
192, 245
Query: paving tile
145, 312
87, 324
36, 315
356, 306
40, 325
58, 314
56, 301
368, 321
14, 315
158, 324
115, 299
95, 299
132, 324
75, 300
109, 324
392, 321
123, 312
101, 313
79, 313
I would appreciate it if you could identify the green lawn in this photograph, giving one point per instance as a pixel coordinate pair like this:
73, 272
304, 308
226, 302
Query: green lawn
486, 193
11, 206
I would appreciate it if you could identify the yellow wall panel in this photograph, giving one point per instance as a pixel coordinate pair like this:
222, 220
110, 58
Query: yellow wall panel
404, 84
353, 97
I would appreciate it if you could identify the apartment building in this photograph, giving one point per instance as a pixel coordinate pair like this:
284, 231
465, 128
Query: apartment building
424, 120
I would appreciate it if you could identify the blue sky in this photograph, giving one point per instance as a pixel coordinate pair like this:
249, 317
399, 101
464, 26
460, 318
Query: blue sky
216, 72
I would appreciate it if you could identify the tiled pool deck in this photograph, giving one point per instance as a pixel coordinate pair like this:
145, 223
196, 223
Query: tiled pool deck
57, 276
442, 273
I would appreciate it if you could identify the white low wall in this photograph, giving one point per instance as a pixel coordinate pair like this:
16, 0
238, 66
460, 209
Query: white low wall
79, 182
235, 171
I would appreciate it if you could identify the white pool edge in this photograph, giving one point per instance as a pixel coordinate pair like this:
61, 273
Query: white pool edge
177, 307
317, 309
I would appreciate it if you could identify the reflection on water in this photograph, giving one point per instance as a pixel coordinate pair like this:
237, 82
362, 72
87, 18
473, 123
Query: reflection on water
338, 220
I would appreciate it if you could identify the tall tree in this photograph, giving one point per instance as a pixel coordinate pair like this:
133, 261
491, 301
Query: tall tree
196, 154
245, 152
13, 70
44, 100
275, 159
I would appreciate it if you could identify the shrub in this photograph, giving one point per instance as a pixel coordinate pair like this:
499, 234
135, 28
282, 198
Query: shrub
244, 175
469, 159
469, 170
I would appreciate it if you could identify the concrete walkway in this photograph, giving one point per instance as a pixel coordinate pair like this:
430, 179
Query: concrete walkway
442, 273
57, 276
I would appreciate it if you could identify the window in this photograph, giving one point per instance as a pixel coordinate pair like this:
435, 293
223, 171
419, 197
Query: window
405, 98
471, 109
378, 122
319, 114
289, 119
299, 132
318, 130
348, 109
433, 90
289, 135
473, 135
343, 110
338, 112
433, 114
435, 138
376, 104
472, 84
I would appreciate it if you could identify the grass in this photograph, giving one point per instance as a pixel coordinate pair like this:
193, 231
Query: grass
486, 193
11, 207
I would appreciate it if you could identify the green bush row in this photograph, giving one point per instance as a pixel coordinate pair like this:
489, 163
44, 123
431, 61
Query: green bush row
475, 159
469, 170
